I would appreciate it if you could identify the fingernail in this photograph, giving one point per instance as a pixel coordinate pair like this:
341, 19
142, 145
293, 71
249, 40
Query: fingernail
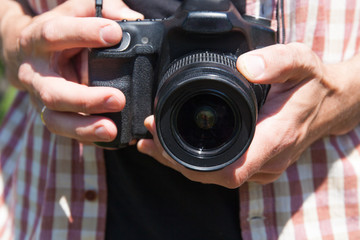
110, 34
112, 104
102, 133
254, 66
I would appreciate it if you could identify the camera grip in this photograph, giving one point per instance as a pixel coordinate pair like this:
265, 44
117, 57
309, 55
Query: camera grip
143, 94
134, 77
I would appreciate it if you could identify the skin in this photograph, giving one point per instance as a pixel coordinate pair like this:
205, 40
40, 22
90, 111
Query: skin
49, 61
308, 99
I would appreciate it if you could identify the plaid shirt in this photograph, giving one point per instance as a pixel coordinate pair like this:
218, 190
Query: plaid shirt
52, 187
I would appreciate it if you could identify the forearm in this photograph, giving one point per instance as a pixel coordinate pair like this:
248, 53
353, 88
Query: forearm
14, 16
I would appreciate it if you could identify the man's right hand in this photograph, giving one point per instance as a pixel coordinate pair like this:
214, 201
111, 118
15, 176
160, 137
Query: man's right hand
50, 63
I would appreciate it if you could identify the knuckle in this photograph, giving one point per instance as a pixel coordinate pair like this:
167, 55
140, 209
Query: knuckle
303, 57
50, 123
47, 98
49, 33
231, 184
53, 128
25, 73
275, 168
233, 180
84, 105
81, 133
294, 56
291, 52
25, 38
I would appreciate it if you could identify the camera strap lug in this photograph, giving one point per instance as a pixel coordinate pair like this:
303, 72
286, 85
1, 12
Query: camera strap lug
98, 7
281, 35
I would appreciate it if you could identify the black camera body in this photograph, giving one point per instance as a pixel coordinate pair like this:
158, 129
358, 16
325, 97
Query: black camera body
182, 69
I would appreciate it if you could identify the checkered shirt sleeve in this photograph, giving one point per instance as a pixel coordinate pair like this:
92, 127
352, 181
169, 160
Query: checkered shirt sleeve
50, 187
318, 196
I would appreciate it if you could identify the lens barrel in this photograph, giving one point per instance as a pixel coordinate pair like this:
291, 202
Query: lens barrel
205, 111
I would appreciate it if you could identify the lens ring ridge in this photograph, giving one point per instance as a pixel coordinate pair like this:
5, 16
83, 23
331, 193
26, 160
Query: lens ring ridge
201, 57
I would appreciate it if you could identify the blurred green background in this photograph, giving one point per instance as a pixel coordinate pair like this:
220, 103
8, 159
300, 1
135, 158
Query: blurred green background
6, 93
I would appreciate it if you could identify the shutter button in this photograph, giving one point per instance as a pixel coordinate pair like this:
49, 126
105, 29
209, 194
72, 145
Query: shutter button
90, 195
125, 41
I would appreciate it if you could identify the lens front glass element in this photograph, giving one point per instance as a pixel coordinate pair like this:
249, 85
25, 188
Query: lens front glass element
206, 121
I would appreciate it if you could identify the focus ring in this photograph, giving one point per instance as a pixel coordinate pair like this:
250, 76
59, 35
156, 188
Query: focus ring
203, 57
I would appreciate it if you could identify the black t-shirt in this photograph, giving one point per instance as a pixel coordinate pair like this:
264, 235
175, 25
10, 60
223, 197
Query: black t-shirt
147, 200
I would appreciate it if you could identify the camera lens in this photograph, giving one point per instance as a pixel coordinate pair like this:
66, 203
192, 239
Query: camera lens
205, 111
205, 121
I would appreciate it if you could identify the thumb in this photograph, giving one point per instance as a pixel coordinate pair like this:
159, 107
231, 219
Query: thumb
279, 63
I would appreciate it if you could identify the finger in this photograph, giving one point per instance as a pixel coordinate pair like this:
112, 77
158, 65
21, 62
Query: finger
271, 151
75, 8
112, 9
72, 64
258, 154
149, 147
226, 177
279, 63
150, 125
118, 10
62, 95
61, 33
264, 178
80, 127
152, 147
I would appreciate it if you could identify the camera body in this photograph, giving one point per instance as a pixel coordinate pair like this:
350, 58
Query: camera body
182, 69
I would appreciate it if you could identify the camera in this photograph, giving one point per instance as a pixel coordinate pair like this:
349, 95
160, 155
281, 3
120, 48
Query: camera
183, 70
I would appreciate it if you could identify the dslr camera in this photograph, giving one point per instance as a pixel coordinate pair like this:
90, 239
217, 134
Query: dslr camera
183, 70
